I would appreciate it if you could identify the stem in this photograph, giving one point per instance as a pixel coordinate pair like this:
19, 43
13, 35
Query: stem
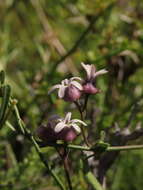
82, 128
82, 36
64, 157
92, 180
109, 149
67, 173
124, 148
28, 134
47, 165
85, 102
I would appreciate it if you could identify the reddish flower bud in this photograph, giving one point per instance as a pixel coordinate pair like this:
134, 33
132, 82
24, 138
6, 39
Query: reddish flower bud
67, 134
72, 94
46, 133
89, 88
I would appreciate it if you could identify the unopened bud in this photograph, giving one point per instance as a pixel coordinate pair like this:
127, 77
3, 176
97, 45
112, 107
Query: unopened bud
72, 94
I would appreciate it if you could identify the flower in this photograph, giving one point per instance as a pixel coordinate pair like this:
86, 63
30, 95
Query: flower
67, 128
89, 83
69, 89
46, 132
91, 71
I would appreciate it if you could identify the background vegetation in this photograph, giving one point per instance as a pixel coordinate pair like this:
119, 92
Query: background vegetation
43, 42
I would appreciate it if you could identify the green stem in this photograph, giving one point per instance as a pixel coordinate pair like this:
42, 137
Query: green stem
124, 148
93, 181
109, 149
28, 134
66, 168
46, 164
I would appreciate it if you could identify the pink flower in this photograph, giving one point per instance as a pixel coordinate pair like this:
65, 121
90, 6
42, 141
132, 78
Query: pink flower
89, 83
67, 128
69, 89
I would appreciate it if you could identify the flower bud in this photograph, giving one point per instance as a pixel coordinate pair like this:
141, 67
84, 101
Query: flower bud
67, 134
46, 133
72, 94
89, 88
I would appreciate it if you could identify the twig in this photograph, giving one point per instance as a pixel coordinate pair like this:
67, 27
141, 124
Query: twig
94, 149
81, 38
82, 128
28, 134
66, 168
133, 113
124, 148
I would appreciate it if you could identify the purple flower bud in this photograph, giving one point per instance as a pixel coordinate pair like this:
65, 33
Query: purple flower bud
46, 133
72, 94
67, 134
89, 88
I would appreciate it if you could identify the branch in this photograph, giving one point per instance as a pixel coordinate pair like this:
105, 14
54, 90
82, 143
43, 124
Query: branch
95, 148
82, 37
28, 134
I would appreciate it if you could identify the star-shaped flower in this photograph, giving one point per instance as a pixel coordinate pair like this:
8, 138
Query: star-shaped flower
89, 83
67, 122
91, 71
69, 89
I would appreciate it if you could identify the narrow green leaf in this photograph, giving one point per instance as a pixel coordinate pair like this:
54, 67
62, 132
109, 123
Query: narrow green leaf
5, 101
10, 126
93, 181
2, 77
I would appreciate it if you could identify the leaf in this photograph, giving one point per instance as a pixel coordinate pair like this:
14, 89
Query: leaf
93, 181
5, 101
2, 77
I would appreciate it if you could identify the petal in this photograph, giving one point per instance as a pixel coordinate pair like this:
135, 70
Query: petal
79, 121
61, 91
65, 82
88, 69
59, 127
76, 127
77, 85
76, 78
93, 71
54, 87
68, 117
101, 72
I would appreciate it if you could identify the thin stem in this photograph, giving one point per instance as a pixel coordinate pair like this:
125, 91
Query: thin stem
28, 134
86, 148
47, 165
66, 168
7, 115
64, 157
92, 180
85, 102
124, 148
82, 128
82, 36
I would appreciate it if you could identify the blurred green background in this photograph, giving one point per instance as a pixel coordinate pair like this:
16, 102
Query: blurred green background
34, 36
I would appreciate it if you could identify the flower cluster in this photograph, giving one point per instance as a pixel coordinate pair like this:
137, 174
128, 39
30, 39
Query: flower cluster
70, 90
65, 129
